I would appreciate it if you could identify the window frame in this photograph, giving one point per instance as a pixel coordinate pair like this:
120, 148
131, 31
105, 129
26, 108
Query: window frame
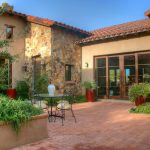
12, 31
68, 76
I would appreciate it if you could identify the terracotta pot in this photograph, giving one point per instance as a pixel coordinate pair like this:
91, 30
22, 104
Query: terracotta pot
139, 101
11, 93
90, 95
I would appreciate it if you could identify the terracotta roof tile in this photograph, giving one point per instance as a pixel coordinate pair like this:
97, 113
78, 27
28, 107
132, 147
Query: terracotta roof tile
39, 20
48, 22
118, 30
147, 13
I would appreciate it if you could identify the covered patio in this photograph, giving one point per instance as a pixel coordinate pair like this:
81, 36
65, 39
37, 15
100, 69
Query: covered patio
100, 126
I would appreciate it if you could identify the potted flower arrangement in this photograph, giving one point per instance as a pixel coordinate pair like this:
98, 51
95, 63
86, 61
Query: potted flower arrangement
139, 92
90, 87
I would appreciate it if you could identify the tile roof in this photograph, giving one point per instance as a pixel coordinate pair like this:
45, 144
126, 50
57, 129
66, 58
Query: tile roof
120, 30
147, 13
48, 22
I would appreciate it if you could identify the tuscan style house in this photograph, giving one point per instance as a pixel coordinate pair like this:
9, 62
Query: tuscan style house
44, 46
115, 57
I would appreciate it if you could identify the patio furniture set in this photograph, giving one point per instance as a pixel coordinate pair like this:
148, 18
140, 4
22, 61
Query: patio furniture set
56, 105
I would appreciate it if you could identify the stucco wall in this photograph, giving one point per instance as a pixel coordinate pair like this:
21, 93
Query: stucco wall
17, 44
122, 46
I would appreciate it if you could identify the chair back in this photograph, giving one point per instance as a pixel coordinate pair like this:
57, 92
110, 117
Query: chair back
69, 96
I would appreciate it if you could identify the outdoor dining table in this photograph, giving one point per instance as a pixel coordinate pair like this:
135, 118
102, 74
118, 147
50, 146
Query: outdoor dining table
51, 99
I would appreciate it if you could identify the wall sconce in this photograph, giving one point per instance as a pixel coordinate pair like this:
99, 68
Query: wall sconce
25, 67
86, 64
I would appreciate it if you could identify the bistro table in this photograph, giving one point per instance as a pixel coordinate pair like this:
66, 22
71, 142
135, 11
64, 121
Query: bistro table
51, 99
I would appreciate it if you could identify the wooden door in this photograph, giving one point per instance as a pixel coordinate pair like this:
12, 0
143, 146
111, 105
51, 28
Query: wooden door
36, 70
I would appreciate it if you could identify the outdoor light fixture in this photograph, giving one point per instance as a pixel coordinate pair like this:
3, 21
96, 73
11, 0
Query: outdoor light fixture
86, 64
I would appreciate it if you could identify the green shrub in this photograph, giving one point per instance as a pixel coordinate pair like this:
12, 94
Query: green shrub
136, 90
89, 85
42, 84
80, 99
16, 112
22, 89
144, 108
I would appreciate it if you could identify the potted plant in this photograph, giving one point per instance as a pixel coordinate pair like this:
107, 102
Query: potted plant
20, 123
139, 92
90, 87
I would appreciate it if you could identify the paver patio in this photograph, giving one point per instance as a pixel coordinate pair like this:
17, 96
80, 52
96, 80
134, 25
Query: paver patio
100, 126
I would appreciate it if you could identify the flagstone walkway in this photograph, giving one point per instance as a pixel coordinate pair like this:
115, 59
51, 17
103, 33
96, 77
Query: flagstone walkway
100, 126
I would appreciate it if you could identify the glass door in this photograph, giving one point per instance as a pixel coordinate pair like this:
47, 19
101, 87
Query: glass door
101, 77
129, 73
115, 74
144, 67
113, 77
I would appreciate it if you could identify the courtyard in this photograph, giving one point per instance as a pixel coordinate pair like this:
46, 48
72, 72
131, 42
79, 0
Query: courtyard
103, 125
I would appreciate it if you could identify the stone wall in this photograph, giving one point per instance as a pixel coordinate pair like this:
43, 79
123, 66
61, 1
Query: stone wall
56, 47
38, 43
65, 51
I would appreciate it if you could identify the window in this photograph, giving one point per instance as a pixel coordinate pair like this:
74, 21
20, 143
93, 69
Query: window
9, 32
144, 67
68, 70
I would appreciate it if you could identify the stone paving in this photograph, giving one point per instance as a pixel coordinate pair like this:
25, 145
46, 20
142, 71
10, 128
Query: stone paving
100, 126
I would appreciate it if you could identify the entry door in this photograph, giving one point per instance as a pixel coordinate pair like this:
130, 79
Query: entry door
114, 77
108, 77
101, 77
36, 70
115, 74
129, 73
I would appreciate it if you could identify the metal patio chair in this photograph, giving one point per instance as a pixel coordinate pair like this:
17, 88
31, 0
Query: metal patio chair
65, 104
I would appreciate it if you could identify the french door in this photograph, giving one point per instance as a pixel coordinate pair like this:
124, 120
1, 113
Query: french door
115, 74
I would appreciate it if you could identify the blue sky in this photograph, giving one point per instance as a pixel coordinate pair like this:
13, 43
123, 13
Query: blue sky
85, 14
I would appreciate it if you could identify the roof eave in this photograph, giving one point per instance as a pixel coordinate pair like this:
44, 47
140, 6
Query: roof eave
84, 42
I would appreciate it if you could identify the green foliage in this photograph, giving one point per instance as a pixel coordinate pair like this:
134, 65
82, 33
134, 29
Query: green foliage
42, 84
4, 77
89, 85
80, 99
144, 108
136, 90
146, 78
6, 55
2, 10
4, 69
16, 112
4, 43
22, 89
